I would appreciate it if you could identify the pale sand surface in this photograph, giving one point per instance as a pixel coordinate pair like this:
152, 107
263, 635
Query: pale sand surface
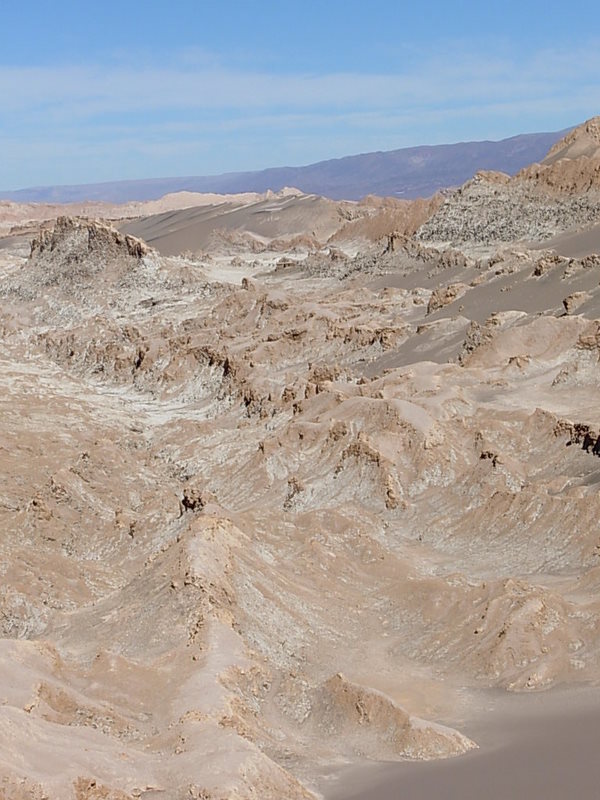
577, 244
174, 232
531, 746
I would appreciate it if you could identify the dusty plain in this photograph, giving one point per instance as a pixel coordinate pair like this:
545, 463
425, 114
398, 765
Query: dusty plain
295, 488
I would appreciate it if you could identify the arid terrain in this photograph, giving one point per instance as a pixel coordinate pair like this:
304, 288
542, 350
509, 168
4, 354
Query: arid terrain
293, 486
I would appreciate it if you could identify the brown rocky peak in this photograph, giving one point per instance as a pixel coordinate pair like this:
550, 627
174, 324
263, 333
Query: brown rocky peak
582, 141
83, 237
77, 255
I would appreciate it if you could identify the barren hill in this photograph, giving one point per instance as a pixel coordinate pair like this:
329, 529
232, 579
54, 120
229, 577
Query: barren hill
542, 201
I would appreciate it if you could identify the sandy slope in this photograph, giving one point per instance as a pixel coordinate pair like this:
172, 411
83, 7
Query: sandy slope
578, 243
294, 219
188, 222
18, 216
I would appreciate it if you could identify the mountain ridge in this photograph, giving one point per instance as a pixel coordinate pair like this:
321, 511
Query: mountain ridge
406, 172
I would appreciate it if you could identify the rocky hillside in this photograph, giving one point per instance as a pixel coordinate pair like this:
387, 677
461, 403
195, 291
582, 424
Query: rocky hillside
542, 200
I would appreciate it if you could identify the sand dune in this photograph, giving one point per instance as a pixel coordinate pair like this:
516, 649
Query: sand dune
192, 229
16, 217
293, 219
188, 222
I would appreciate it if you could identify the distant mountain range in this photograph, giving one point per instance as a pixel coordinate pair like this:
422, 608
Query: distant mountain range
406, 173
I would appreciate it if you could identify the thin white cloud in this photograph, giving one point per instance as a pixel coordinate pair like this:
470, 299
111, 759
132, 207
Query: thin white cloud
87, 90
89, 117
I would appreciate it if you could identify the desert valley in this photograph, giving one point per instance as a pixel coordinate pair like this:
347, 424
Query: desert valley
293, 487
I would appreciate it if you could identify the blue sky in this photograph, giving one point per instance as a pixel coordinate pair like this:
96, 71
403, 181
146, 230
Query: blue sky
123, 90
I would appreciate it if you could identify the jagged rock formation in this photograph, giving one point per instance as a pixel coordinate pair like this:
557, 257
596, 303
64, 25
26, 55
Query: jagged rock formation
79, 255
85, 241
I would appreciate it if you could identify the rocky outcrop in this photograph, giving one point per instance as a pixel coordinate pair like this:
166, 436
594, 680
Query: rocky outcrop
573, 301
580, 433
444, 295
75, 239
343, 708
584, 140
78, 262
